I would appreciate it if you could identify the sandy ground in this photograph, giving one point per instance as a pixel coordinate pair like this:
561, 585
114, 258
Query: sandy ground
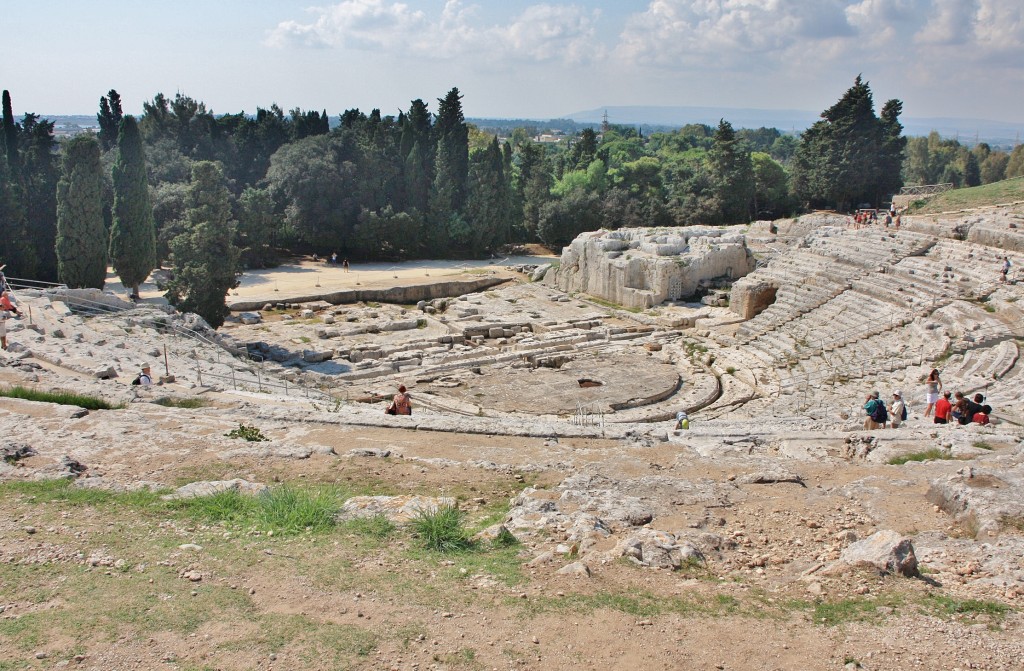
305, 277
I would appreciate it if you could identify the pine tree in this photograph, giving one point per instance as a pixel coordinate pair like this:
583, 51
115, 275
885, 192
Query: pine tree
204, 256
109, 119
452, 163
81, 235
733, 175
849, 156
448, 192
133, 233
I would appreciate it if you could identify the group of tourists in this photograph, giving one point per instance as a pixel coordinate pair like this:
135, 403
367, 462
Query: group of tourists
960, 409
944, 407
863, 218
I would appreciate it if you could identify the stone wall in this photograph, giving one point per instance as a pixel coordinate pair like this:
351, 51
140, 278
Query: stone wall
642, 267
402, 295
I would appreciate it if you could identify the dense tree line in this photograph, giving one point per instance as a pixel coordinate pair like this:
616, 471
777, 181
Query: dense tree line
165, 189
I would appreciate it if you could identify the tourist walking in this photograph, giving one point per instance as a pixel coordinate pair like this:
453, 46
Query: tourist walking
932, 387
1005, 270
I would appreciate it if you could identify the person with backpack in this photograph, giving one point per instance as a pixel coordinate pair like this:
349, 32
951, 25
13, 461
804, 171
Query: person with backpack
898, 410
143, 379
877, 414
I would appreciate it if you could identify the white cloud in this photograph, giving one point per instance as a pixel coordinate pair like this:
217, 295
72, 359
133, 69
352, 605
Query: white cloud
360, 24
541, 33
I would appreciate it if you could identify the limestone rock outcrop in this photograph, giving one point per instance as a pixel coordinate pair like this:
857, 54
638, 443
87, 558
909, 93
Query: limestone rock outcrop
642, 267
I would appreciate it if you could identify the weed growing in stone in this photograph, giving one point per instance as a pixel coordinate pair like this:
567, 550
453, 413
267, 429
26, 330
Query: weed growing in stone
926, 455
249, 433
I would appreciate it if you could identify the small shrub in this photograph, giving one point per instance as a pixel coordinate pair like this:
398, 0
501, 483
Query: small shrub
981, 445
249, 433
731, 370
59, 397
441, 530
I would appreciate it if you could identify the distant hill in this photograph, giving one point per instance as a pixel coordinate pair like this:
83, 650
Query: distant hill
966, 130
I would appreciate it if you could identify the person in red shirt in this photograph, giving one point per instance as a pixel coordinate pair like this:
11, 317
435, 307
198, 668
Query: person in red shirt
981, 417
943, 409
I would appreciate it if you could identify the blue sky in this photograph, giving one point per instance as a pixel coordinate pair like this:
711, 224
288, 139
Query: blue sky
516, 58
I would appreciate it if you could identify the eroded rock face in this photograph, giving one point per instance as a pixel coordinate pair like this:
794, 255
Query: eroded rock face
642, 267
885, 551
983, 501
748, 299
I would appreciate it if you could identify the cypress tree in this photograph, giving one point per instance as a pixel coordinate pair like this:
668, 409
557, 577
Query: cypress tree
10, 132
133, 233
452, 163
204, 256
81, 235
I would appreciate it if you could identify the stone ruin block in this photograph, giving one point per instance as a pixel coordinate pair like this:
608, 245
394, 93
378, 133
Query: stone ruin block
749, 299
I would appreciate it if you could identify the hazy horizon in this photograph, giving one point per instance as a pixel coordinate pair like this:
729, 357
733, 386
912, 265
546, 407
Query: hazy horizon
519, 58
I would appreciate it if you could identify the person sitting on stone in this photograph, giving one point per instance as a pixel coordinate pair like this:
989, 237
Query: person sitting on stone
9, 303
981, 417
402, 401
682, 421
943, 409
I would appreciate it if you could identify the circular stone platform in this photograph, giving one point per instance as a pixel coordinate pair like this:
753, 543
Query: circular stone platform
608, 381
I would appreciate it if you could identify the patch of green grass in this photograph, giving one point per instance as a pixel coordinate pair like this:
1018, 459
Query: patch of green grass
1005, 191
465, 658
857, 609
377, 527
249, 433
731, 370
64, 491
640, 604
59, 397
319, 644
982, 445
933, 453
284, 510
187, 403
442, 529
970, 609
